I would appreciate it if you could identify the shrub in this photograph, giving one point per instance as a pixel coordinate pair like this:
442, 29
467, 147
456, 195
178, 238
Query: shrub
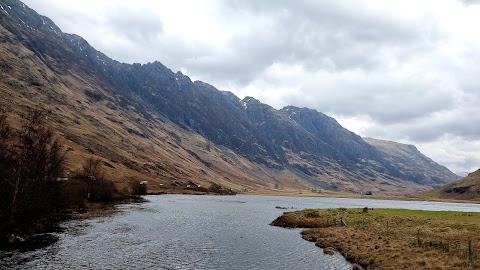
93, 189
137, 189
74, 193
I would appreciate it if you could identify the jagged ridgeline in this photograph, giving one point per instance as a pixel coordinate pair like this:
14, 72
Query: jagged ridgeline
148, 122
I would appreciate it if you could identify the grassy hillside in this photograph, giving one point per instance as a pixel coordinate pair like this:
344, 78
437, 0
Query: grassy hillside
467, 188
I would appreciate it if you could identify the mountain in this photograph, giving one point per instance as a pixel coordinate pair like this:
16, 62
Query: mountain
148, 122
467, 188
418, 167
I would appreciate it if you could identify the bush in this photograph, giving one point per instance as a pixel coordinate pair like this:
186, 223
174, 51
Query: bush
92, 189
74, 193
137, 188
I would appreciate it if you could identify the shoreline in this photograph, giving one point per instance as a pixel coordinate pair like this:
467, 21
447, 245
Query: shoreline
357, 196
44, 236
392, 238
310, 194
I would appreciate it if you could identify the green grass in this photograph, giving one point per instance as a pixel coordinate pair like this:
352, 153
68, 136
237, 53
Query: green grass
394, 238
357, 214
464, 217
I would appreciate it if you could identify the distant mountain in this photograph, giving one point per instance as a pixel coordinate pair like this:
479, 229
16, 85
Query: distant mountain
467, 188
146, 121
409, 161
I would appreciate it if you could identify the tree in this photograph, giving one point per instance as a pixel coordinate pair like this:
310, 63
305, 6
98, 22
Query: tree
91, 174
38, 164
31, 165
99, 189
93, 168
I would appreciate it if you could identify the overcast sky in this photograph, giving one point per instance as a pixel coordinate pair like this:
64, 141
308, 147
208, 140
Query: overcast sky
407, 71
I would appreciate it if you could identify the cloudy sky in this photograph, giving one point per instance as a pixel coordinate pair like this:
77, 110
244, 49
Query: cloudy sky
407, 71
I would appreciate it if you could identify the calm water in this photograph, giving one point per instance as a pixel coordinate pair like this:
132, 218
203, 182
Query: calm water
197, 232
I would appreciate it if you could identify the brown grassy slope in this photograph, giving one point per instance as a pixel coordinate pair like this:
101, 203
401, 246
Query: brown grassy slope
132, 142
413, 162
394, 238
467, 188
341, 180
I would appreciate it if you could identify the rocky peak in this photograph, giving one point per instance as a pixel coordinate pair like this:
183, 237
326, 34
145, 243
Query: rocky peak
23, 17
328, 130
251, 101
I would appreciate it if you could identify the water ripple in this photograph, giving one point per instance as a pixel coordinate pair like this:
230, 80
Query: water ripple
196, 232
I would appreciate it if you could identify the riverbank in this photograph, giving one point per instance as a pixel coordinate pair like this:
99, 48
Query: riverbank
190, 189
393, 238
44, 235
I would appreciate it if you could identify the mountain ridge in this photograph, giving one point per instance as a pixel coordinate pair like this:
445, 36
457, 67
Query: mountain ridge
291, 147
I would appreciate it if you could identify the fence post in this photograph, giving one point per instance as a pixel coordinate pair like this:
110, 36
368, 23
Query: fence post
470, 255
418, 237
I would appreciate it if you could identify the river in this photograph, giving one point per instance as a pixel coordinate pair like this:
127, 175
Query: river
197, 232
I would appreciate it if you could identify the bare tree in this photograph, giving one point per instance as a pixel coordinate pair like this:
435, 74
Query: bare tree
93, 168
92, 174
37, 162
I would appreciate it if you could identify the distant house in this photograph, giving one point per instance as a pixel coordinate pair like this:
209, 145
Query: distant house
143, 183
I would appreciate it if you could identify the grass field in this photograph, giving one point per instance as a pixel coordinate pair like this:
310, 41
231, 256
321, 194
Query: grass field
393, 238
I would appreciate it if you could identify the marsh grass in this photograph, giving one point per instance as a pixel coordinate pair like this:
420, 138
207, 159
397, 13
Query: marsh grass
394, 238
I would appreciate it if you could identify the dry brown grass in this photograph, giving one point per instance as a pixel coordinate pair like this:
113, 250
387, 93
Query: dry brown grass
394, 238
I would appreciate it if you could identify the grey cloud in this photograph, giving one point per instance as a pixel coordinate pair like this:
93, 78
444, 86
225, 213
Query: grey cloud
470, 2
138, 25
464, 126
316, 35
331, 35
459, 156
460, 123
384, 98
471, 162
